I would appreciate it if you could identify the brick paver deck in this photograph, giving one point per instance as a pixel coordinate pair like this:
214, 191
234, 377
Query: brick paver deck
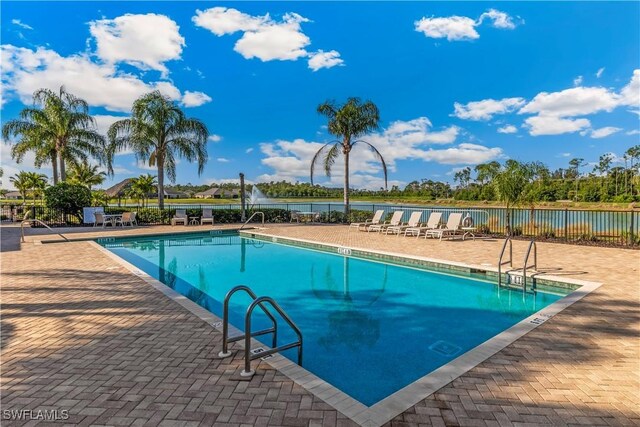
81, 333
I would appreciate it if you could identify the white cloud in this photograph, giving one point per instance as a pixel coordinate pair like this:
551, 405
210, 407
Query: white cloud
103, 122
222, 160
576, 101
604, 132
564, 155
552, 125
402, 140
265, 38
456, 28
599, 72
499, 19
144, 41
195, 99
487, 108
633, 132
21, 24
322, 59
453, 28
508, 129
10, 167
248, 150
215, 138
577, 81
630, 94
25, 71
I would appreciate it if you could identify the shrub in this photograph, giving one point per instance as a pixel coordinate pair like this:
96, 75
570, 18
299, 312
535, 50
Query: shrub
69, 198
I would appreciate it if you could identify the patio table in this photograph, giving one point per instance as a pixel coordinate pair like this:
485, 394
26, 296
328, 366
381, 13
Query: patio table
111, 218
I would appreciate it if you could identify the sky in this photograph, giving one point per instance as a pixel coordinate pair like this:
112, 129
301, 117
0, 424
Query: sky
457, 83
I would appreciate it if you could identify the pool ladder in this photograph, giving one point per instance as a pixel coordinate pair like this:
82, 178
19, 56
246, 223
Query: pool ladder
526, 266
256, 302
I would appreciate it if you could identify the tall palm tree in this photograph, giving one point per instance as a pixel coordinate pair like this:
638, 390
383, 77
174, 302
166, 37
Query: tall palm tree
58, 128
158, 131
37, 183
83, 173
22, 181
348, 122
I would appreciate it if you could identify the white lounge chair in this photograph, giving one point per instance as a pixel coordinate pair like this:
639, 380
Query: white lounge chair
127, 218
432, 223
414, 221
396, 219
180, 216
207, 216
377, 217
453, 224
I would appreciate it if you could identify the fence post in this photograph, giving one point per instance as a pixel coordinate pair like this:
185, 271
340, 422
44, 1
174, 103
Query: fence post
566, 224
632, 240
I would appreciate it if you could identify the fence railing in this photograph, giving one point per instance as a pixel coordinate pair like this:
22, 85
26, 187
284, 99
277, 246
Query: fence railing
584, 226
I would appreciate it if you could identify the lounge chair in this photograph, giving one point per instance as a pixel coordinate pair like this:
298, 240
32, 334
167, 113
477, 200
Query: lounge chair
396, 219
207, 216
414, 221
453, 224
180, 216
295, 215
377, 217
432, 223
127, 218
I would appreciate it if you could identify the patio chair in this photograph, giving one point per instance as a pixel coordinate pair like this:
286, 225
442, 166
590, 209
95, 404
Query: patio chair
101, 220
207, 216
396, 219
414, 221
295, 215
453, 224
432, 223
127, 218
377, 217
180, 216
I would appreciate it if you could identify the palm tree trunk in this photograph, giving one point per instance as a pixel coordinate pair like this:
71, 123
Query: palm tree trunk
160, 163
54, 166
63, 173
346, 185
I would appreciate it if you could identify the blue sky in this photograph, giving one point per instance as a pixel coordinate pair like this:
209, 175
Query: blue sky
456, 83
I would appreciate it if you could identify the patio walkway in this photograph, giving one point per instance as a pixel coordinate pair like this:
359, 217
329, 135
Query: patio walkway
81, 333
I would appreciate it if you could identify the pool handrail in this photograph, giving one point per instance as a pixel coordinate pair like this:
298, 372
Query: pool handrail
37, 221
251, 217
248, 357
225, 321
532, 245
509, 261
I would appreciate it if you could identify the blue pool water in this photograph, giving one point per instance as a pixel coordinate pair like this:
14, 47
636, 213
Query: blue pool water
369, 328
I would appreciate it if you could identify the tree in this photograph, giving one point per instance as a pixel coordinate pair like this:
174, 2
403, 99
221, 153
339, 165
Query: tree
463, 177
348, 122
510, 184
83, 173
58, 129
158, 132
22, 182
37, 184
633, 153
486, 171
575, 165
143, 186
69, 198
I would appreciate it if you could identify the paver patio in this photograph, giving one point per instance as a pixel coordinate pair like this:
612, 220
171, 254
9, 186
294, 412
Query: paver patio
80, 332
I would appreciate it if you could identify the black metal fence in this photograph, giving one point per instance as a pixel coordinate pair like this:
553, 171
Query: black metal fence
571, 225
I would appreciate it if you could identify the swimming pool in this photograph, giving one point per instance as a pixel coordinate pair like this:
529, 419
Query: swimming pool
370, 328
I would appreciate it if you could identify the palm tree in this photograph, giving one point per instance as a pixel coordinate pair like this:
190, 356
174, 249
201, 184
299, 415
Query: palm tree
83, 173
22, 182
158, 131
349, 121
633, 153
37, 183
58, 128
143, 186
510, 184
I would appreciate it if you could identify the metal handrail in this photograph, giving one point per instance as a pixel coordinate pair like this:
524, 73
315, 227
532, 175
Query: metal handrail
251, 217
501, 263
533, 245
225, 321
248, 357
28, 221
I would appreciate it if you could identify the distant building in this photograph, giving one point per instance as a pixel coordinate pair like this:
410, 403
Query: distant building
12, 195
218, 193
169, 193
119, 190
